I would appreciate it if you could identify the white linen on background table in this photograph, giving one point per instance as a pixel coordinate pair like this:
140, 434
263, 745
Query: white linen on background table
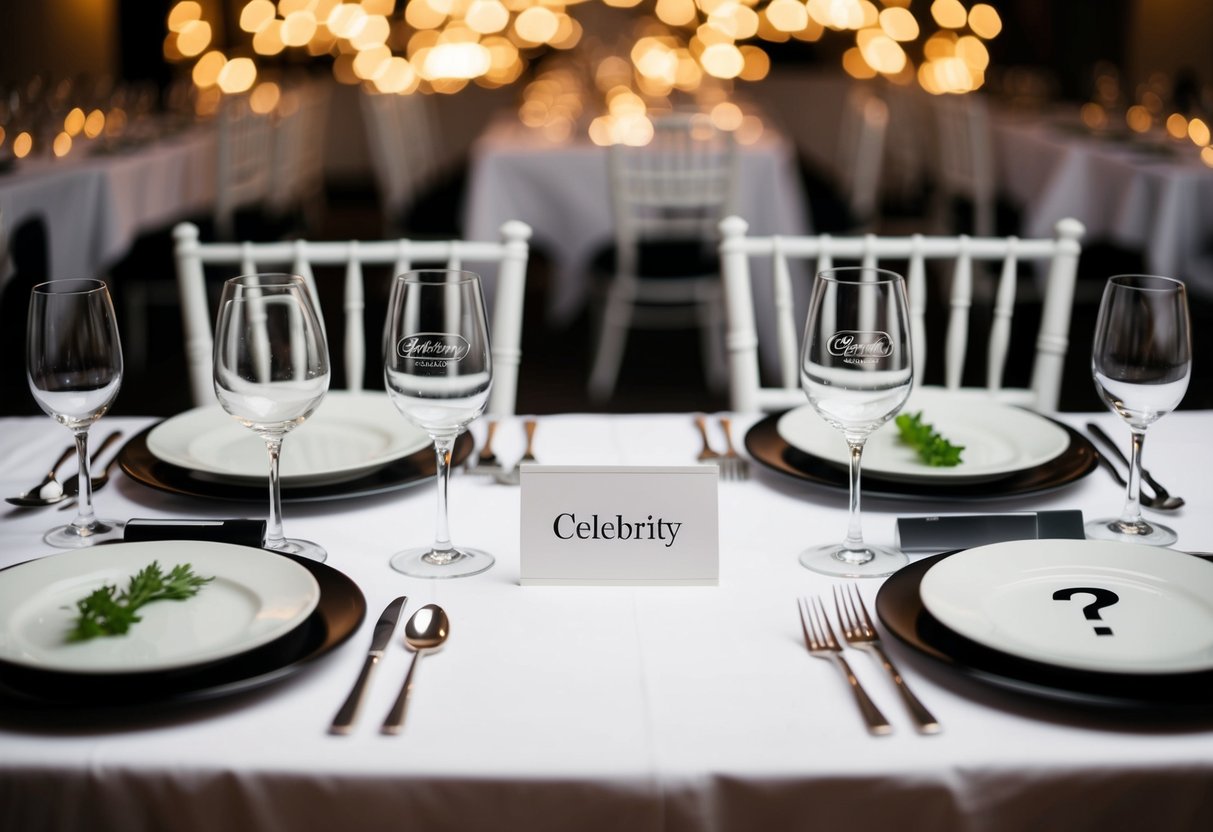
1159, 204
562, 191
602, 708
94, 206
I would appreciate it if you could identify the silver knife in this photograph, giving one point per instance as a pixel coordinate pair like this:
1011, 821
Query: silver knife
343, 722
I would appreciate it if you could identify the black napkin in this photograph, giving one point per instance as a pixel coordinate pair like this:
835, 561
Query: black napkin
241, 532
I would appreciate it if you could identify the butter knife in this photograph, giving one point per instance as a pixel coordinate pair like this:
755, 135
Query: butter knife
343, 722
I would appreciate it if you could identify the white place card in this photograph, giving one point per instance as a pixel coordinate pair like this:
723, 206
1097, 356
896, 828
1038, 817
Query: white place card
620, 525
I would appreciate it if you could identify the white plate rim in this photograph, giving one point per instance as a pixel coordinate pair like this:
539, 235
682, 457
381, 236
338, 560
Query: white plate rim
804, 430
288, 593
953, 590
165, 440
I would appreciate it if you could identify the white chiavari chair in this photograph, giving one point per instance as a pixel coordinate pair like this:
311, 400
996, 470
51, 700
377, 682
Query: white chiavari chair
303, 257
668, 198
963, 253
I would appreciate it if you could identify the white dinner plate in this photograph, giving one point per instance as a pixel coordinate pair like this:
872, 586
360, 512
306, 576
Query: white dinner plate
349, 434
998, 439
255, 597
1151, 610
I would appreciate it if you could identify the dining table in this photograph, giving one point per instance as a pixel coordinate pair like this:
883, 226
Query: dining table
98, 199
1143, 191
562, 190
605, 707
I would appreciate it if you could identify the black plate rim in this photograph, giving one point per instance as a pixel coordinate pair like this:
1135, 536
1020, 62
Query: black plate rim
338, 615
141, 465
900, 609
771, 450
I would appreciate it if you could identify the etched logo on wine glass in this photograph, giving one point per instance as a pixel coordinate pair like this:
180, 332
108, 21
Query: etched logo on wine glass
855, 347
433, 349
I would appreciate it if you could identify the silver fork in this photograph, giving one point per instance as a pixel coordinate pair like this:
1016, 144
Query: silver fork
858, 630
821, 643
740, 465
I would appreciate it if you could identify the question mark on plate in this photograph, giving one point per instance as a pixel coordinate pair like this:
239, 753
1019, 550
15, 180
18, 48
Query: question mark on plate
1103, 598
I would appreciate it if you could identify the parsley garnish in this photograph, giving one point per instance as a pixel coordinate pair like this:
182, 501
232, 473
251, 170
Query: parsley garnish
932, 448
105, 613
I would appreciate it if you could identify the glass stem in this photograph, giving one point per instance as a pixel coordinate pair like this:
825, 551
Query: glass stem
85, 518
853, 549
443, 552
1131, 514
274, 539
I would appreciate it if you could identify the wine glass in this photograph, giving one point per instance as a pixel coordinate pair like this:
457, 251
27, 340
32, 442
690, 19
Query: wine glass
1141, 361
438, 371
74, 367
855, 368
271, 372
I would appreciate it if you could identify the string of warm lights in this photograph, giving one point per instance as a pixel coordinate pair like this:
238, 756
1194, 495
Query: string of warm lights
441, 45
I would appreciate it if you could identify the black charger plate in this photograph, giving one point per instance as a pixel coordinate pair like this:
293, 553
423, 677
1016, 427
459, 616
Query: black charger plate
337, 616
141, 465
771, 450
900, 608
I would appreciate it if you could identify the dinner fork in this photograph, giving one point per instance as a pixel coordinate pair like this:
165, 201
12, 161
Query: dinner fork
858, 630
822, 644
739, 466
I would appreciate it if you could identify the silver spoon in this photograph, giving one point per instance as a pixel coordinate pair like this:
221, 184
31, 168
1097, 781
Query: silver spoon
426, 630
50, 490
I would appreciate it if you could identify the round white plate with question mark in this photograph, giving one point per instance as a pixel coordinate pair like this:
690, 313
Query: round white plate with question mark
1083, 604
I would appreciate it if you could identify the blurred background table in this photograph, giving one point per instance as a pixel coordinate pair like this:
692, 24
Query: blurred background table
598, 707
561, 190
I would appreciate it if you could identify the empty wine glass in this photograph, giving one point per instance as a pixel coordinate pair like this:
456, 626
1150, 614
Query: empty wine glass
855, 368
271, 372
74, 367
1141, 361
438, 371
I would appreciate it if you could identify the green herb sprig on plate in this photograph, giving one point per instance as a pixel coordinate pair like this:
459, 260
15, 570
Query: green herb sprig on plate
105, 612
932, 448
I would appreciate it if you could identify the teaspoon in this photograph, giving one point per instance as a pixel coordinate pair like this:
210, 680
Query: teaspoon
47, 492
426, 630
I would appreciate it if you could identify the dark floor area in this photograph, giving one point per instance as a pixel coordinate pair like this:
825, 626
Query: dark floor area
662, 369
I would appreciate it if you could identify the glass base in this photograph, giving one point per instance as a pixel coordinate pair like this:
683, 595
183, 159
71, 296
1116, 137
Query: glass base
1111, 528
869, 562
458, 563
302, 548
74, 537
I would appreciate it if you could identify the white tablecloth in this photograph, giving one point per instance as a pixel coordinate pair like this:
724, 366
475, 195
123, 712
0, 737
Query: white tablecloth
1152, 195
562, 192
603, 708
94, 206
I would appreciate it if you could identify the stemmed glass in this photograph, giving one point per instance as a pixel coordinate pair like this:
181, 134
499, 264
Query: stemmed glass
855, 368
271, 372
1141, 361
438, 371
74, 367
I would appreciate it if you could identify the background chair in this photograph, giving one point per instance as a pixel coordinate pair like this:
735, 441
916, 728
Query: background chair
245, 155
668, 199
297, 176
964, 162
747, 391
861, 148
402, 134
300, 257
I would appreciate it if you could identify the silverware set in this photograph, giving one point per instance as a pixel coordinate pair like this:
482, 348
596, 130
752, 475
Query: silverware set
425, 631
732, 465
51, 491
1160, 500
858, 631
